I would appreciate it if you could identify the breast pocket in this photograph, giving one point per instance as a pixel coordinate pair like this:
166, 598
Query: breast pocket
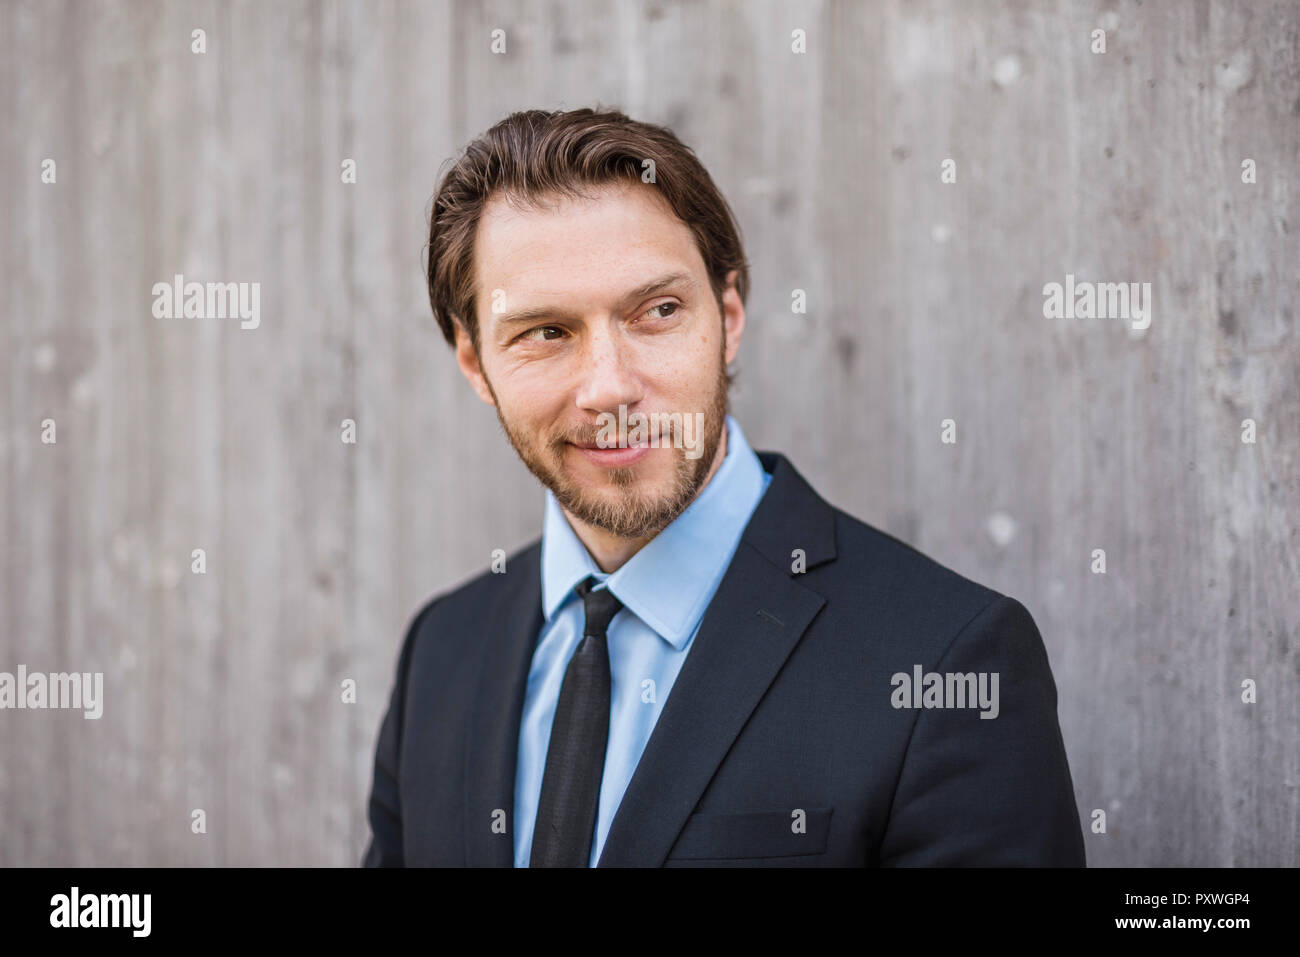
738, 835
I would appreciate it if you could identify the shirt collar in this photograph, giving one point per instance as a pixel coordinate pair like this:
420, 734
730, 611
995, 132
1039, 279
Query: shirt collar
670, 581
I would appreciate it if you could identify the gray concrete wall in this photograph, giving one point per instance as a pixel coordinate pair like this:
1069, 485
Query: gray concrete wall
925, 302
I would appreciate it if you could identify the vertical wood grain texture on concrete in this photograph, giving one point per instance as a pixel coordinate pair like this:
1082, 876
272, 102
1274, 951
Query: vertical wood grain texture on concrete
222, 691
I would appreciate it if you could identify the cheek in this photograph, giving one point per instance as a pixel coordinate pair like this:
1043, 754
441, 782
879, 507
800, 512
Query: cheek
675, 366
695, 368
532, 397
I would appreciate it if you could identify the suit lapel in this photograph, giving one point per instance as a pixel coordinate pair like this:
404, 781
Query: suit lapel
510, 629
749, 629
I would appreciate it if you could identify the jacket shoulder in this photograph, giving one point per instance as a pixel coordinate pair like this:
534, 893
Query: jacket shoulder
903, 564
859, 569
898, 586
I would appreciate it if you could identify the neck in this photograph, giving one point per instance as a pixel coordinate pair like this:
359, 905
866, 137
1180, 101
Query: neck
612, 551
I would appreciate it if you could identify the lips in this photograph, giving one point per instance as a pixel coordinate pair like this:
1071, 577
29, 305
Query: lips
612, 457
605, 448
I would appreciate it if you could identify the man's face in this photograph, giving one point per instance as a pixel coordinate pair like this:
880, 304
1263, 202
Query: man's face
569, 330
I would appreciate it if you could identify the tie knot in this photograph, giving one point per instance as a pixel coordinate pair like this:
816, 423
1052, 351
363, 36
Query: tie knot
600, 607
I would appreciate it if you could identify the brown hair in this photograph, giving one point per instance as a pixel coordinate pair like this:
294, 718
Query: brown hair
533, 154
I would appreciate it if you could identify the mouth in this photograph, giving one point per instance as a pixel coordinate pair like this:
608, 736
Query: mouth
611, 458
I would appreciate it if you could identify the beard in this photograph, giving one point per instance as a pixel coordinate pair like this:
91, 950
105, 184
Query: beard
630, 511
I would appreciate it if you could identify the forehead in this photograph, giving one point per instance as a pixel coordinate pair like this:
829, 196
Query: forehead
572, 249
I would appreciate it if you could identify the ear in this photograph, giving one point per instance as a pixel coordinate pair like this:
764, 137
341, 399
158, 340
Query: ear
468, 360
733, 317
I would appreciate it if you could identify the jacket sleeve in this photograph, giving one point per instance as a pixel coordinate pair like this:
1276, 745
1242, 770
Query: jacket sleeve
988, 792
385, 810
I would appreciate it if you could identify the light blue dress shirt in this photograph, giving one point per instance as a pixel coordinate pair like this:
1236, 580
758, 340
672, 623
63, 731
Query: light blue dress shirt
665, 589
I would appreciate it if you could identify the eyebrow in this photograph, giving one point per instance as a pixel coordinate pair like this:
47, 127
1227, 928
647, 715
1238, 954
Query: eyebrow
553, 312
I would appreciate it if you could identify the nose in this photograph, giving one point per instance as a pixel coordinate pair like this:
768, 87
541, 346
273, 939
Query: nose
608, 372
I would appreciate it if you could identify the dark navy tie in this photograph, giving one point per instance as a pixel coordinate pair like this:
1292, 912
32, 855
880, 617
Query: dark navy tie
575, 758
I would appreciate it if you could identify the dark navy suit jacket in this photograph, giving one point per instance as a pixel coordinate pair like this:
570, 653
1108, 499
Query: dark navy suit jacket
780, 743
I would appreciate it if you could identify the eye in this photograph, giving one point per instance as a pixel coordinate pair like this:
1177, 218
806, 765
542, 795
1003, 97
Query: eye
671, 305
528, 336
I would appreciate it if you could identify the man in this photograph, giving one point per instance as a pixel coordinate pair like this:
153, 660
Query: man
701, 662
